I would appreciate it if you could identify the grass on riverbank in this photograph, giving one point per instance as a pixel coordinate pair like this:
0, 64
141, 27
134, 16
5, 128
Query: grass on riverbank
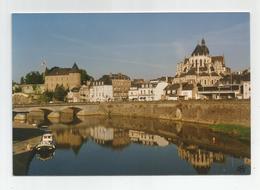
239, 131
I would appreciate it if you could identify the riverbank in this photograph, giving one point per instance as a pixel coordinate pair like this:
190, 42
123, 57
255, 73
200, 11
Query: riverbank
231, 112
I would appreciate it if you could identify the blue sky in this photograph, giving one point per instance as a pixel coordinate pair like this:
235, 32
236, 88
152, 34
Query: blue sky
141, 45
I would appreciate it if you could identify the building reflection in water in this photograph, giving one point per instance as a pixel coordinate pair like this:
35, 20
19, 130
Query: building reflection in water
101, 135
200, 159
147, 139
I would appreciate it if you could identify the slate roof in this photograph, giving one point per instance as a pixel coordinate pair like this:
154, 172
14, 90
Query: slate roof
61, 71
172, 87
187, 87
215, 88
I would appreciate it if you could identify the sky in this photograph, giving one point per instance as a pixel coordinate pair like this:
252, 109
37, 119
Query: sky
141, 45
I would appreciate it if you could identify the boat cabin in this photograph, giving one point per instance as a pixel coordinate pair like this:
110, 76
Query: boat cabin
48, 137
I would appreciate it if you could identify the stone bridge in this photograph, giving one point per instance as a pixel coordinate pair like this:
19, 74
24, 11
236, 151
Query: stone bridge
48, 110
47, 107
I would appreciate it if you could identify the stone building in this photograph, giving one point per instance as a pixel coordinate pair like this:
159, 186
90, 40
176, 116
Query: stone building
84, 92
121, 84
69, 78
201, 67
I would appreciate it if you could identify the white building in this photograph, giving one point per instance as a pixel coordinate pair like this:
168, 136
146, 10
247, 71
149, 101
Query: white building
181, 91
100, 92
171, 91
148, 91
158, 90
73, 95
102, 134
133, 93
147, 139
246, 90
145, 92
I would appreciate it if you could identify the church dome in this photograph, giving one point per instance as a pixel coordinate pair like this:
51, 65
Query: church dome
201, 49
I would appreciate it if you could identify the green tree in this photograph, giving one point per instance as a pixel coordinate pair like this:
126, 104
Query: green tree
47, 96
85, 76
60, 93
17, 89
22, 81
34, 77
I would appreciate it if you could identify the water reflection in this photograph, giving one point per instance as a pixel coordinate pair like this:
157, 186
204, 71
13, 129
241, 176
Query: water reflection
182, 148
200, 159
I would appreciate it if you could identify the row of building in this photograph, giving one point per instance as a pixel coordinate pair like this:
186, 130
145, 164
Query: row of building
200, 76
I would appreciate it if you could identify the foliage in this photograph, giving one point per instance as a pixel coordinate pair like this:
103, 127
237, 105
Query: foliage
60, 93
22, 81
34, 77
106, 79
17, 89
240, 131
85, 76
47, 96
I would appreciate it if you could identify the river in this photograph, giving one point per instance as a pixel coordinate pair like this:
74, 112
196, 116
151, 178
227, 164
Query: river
134, 146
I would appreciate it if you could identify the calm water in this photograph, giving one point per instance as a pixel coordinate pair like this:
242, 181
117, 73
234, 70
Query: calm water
136, 146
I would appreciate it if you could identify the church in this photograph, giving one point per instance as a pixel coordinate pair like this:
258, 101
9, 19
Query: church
201, 68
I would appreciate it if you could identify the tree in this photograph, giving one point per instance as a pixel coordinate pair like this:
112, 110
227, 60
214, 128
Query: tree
106, 79
34, 77
60, 93
22, 81
47, 96
85, 76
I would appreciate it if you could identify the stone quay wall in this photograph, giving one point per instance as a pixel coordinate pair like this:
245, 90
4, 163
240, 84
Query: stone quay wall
235, 112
